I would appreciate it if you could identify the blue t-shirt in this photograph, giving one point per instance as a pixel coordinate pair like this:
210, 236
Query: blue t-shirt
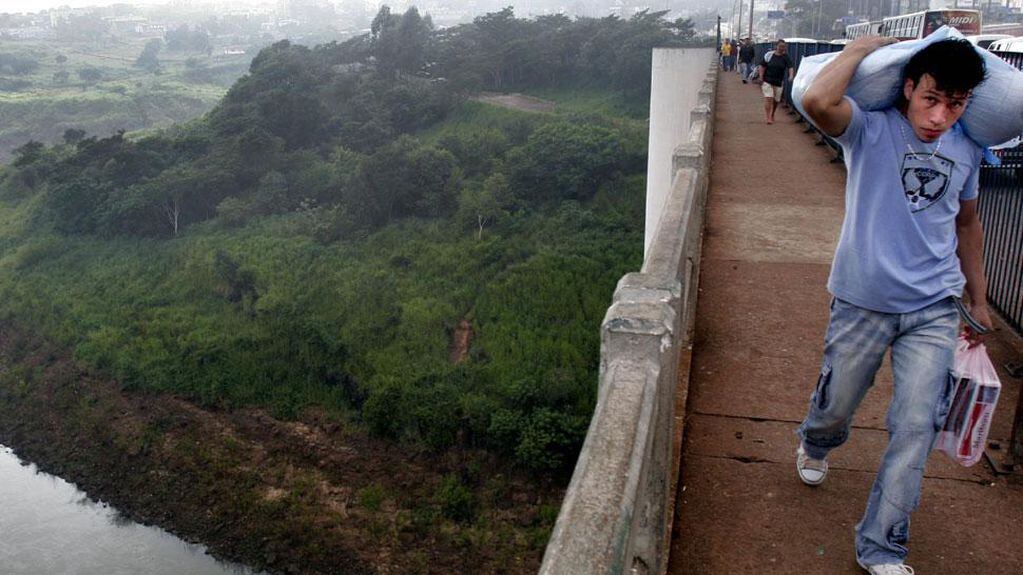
897, 251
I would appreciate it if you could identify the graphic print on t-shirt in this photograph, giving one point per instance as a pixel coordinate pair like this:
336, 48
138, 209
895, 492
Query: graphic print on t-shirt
925, 179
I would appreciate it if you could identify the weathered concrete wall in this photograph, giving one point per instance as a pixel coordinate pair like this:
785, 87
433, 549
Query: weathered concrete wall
616, 515
675, 85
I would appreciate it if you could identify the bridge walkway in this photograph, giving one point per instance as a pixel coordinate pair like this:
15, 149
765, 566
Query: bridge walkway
774, 212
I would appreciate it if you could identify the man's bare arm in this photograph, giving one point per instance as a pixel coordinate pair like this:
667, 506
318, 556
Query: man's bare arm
823, 99
970, 234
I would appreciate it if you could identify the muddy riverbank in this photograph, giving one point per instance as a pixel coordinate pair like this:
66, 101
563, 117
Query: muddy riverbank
312, 496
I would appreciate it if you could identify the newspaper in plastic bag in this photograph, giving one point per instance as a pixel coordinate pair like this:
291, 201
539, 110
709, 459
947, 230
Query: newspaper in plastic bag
964, 434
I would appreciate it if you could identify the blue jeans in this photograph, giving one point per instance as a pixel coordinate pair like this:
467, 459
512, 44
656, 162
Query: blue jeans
923, 352
744, 70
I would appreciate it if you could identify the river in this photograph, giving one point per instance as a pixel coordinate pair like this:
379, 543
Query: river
49, 527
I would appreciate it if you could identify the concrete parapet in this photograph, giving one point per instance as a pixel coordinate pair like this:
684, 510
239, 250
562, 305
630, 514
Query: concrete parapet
681, 81
616, 515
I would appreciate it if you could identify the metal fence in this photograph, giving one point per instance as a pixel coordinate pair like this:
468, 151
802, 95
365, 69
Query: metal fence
1001, 211
1014, 58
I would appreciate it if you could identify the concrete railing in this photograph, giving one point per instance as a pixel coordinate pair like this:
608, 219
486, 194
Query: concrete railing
617, 512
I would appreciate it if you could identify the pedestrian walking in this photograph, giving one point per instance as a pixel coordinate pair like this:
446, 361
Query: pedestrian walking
746, 55
726, 55
775, 66
910, 246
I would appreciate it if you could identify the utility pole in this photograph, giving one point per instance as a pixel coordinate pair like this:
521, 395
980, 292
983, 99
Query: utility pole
820, 16
719, 34
738, 27
750, 20
731, 19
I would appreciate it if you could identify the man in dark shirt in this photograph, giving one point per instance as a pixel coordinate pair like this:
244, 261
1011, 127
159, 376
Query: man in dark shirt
745, 58
773, 68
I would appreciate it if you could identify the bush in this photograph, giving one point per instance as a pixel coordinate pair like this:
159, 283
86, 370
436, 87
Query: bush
371, 496
455, 499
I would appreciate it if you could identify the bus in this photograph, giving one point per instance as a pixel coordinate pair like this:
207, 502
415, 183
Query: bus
921, 24
854, 31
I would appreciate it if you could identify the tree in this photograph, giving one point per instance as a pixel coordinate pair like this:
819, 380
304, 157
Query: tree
400, 42
148, 59
72, 136
481, 204
184, 39
28, 153
564, 161
90, 75
683, 28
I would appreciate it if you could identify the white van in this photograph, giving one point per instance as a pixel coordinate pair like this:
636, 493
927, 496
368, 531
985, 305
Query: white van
1007, 45
985, 40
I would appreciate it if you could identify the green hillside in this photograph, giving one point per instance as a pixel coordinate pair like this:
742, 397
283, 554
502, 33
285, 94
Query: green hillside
50, 86
349, 232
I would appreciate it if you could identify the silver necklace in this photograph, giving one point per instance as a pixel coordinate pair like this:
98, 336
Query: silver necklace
910, 146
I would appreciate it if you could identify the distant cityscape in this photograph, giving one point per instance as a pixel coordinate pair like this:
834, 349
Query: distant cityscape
236, 26
321, 19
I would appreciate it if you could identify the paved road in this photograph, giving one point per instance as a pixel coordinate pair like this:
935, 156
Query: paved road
774, 211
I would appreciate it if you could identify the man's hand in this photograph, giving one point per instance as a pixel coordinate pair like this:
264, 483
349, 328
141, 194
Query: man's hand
979, 313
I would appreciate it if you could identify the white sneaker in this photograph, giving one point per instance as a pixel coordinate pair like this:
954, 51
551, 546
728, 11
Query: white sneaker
811, 471
889, 569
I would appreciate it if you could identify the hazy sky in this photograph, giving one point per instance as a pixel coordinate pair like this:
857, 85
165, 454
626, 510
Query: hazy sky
37, 5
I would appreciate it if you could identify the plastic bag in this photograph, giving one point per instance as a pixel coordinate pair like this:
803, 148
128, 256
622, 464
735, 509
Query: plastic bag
964, 434
993, 116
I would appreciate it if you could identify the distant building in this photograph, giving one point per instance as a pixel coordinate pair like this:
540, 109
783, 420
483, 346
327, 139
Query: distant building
60, 16
28, 33
151, 30
127, 24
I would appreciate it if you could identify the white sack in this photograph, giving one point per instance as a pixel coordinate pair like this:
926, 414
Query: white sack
995, 112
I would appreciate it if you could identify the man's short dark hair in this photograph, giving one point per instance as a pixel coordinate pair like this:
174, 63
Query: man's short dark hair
954, 64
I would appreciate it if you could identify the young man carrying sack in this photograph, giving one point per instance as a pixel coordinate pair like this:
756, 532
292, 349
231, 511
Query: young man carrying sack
910, 244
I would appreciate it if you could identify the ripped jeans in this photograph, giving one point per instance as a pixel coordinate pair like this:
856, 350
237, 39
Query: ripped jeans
923, 352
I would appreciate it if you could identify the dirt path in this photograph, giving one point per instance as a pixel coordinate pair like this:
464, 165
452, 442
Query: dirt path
774, 211
516, 102
461, 339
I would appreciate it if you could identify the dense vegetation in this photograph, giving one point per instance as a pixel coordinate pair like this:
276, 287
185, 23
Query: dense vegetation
319, 236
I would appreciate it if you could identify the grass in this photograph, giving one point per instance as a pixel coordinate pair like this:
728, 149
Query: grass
592, 101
